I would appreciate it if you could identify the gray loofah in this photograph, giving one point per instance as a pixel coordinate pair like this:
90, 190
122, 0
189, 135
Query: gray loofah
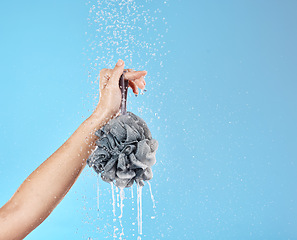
125, 151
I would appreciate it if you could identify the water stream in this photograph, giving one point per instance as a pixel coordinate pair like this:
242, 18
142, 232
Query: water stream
119, 202
152, 196
98, 177
113, 211
122, 196
139, 209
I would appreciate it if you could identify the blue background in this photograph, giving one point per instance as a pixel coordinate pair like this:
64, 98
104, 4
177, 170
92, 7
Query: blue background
222, 105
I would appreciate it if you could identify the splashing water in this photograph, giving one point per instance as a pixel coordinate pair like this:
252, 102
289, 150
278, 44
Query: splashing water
128, 29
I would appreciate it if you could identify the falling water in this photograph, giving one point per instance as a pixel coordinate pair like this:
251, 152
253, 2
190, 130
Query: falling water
152, 196
131, 191
122, 196
118, 197
139, 209
113, 199
113, 211
98, 177
128, 29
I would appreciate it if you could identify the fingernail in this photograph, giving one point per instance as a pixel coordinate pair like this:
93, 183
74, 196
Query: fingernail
120, 62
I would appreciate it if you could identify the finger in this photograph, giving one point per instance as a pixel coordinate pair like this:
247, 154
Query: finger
134, 87
140, 82
117, 72
135, 75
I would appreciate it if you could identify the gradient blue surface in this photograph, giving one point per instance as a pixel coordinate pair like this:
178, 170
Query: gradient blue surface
223, 108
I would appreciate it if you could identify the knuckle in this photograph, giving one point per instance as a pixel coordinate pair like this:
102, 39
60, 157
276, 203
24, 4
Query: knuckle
103, 71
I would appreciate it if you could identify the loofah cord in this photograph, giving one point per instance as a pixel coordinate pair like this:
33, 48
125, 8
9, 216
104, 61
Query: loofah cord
124, 90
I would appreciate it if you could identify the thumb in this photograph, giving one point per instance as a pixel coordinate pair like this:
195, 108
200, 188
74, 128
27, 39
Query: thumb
117, 72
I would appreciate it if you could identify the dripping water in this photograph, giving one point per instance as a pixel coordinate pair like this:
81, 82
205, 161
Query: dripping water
98, 193
122, 197
118, 197
132, 191
152, 196
113, 199
139, 209
113, 211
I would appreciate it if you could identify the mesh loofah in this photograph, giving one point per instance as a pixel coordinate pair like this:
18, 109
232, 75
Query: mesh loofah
125, 151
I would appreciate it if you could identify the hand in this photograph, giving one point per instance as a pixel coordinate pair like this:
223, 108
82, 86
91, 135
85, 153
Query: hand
110, 93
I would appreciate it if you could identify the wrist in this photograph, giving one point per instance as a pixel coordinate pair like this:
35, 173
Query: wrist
96, 121
99, 117
106, 113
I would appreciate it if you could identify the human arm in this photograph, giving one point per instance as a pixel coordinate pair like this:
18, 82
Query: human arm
43, 190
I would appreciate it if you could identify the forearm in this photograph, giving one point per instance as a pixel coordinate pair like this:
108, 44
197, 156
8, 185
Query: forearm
42, 191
